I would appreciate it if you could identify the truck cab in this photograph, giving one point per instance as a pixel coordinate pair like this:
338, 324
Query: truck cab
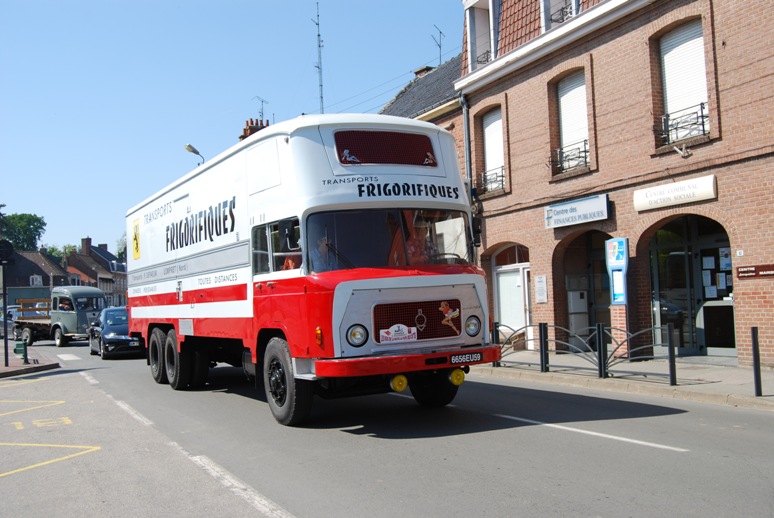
73, 308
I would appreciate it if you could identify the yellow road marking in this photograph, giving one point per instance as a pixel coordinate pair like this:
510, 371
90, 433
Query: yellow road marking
86, 449
44, 405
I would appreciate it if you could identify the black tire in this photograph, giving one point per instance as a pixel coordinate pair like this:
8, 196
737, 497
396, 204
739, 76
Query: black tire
102, 352
432, 389
290, 399
60, 340
156, 355
200, 368
177, 363
27, 336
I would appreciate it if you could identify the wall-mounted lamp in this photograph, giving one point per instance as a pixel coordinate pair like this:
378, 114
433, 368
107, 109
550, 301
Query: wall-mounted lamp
191, 149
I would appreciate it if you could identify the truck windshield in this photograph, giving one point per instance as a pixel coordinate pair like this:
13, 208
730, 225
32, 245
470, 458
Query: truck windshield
386, 238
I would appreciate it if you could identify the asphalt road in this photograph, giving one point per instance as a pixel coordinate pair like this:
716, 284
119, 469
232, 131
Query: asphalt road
100, 438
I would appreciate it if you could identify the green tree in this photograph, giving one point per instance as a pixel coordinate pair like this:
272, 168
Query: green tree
59, 253
23, 230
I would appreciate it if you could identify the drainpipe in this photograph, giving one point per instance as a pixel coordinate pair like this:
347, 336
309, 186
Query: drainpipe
466, 143
468, 163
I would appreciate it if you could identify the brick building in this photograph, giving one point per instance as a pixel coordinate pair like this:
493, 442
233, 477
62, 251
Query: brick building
591, 121
95, 266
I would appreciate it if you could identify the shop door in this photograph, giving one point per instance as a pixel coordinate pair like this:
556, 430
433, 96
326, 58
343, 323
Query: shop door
675, 303
715, 330
513, 305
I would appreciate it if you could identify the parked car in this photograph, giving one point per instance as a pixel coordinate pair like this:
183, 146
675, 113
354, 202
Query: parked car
13, 334
109, 334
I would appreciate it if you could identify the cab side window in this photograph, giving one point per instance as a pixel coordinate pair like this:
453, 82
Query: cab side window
275, 246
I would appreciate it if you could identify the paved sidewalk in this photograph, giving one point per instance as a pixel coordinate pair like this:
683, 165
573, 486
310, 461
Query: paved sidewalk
714, 380
717, 380
37, 360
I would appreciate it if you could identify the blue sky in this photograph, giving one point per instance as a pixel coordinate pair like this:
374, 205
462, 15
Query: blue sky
99, 97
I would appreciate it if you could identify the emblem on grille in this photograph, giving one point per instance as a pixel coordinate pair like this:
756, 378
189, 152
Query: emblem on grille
420, 320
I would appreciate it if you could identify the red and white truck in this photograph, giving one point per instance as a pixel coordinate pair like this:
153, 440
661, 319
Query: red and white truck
327, 255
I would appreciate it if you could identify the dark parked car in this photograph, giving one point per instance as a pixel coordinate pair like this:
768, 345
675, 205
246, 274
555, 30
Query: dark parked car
12, 314
109, 334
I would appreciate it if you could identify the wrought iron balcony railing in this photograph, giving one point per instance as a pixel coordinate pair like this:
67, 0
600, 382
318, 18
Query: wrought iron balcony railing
562, 14
484, 57
683, 124
572, 156
491, 180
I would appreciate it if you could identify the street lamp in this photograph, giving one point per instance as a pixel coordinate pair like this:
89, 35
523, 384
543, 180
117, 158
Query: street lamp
191, 149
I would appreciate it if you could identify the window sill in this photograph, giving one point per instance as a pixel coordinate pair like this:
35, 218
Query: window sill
571, 173
688, 142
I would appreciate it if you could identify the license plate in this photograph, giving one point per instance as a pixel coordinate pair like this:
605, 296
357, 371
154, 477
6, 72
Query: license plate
457, 359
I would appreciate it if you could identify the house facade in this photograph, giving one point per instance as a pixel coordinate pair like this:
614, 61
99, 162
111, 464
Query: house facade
95, 266
628, 140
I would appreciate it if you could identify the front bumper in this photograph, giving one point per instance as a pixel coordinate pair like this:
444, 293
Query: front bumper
398, 364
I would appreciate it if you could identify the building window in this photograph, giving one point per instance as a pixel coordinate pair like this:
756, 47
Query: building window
573, 150
492, 178
556, 12
684, 84
483, 28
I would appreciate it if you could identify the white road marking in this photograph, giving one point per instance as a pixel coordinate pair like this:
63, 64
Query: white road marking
595, 434
131, 411
236, 486
68, 357
88, 377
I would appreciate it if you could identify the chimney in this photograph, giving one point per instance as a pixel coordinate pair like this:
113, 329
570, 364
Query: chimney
103, 246
252, 126
86, 246
422, 71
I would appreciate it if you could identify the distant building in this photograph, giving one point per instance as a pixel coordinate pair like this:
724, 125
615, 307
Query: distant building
96, 266
31, 275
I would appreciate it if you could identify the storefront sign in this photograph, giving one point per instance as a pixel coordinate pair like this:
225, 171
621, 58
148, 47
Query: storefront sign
760, 270
576, 212
677, 193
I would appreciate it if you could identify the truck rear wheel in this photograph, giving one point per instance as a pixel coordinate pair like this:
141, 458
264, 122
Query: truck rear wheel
60, 339
290, 399
432, 389
177, 363
156, 355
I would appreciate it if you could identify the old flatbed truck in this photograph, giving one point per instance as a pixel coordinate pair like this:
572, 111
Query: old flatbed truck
65, 316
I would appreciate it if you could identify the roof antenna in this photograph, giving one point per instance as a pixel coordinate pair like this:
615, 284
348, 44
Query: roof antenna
263, 101
438, 42
318, 66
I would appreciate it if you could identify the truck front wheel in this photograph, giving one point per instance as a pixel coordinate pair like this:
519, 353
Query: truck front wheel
432, 389
178, 363
60, 339
156, 355
290, 399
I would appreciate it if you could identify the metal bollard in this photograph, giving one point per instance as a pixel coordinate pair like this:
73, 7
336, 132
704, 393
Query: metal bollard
601, 351
543, 343
496, 339
671, 352
756, 354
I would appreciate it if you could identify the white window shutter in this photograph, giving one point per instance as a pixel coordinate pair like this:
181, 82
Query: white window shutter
573, 119
683, 69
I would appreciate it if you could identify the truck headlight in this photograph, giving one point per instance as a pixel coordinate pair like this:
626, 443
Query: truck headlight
472, 325
357, 335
